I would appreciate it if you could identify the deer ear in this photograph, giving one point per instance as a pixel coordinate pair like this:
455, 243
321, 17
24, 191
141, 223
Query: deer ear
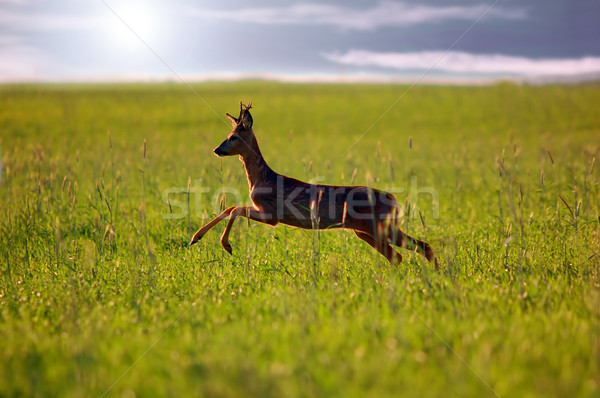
234, 121
247, 119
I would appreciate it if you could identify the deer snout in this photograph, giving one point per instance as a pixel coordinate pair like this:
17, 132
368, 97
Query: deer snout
219, 152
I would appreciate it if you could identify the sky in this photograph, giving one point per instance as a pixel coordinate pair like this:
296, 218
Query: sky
120, 40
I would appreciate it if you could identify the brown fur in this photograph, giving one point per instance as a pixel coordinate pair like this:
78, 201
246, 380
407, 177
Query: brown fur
372, 214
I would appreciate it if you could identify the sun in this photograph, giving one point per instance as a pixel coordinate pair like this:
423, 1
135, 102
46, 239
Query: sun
134, 24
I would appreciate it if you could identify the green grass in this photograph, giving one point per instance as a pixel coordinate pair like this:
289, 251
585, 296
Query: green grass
100, 295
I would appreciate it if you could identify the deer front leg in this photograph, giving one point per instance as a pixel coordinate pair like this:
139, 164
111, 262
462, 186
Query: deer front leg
248, 212
200, 233
381, 246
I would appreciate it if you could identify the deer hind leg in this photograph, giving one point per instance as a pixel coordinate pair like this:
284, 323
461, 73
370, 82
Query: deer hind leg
402, 239
248, 212
202, 231
381, 246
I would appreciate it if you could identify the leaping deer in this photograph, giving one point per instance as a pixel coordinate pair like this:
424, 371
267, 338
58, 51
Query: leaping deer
370, 213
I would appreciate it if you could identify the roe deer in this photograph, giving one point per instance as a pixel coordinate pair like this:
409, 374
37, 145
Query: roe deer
370, 213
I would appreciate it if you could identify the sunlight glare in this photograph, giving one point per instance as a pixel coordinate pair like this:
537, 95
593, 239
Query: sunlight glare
136, 20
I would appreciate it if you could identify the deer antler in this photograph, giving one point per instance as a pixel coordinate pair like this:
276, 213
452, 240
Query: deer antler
245, 107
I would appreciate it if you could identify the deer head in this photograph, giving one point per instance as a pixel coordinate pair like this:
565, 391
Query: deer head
239, 141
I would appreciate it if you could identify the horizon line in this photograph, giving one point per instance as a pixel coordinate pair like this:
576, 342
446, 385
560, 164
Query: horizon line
451, 80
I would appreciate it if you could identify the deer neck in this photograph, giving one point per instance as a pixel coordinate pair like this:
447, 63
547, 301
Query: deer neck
257, 169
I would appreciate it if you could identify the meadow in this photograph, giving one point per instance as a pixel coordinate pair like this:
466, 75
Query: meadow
102, 187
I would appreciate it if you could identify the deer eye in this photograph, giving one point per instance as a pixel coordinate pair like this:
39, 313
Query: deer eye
233, 138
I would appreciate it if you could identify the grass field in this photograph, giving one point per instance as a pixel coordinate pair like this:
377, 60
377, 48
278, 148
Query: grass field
102, 187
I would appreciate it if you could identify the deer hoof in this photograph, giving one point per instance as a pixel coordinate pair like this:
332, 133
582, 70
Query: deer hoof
194, 240
227, 247
197, 236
